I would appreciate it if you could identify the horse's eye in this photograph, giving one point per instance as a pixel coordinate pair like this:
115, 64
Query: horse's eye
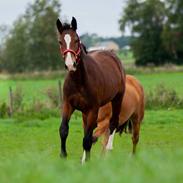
60, 42
76, 41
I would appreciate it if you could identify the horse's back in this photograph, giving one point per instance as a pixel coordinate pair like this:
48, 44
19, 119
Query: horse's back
132, 81
109, 73
134, 98
108, 61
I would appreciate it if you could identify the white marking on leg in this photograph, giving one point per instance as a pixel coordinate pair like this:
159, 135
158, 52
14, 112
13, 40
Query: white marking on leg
83, 158
68, 59
109, 145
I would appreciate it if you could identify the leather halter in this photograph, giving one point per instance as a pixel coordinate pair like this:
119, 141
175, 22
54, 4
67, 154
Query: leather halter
75, 53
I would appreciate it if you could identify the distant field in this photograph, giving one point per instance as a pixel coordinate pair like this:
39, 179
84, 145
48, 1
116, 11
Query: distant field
126, 57
29, 146
35, 89
32, 89
29, 152
170, 80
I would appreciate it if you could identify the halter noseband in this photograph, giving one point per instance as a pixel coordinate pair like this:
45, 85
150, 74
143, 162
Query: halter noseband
75, 53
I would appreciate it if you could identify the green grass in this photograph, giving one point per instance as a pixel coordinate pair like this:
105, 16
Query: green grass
170, 80
126, 57
29, 147
34, 89
29, 152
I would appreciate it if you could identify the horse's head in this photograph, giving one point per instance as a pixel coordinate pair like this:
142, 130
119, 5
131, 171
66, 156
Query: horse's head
70, 46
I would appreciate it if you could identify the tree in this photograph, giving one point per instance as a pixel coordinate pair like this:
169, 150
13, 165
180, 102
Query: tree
146, 19
15, 51
4, 30
90, 40
173, 30
32, 44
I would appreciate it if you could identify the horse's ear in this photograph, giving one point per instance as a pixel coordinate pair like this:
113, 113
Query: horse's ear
59, 26
74, 24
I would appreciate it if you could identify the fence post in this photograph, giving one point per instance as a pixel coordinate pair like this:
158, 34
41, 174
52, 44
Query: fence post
11, 101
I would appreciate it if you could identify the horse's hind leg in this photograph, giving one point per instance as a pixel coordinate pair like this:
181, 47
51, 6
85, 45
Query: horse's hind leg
116, 108
105, 140
135, 133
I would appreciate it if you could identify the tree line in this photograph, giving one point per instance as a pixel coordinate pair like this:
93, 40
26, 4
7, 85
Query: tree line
157, 30
156, 27
32, 42
90, 40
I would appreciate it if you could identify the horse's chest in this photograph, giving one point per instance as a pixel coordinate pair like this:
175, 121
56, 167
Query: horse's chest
79, 101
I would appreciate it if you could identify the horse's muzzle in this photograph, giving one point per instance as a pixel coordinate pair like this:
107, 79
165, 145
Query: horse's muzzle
71, 67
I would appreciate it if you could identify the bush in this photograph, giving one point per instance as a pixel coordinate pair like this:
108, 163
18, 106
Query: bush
3, 110
18, 97
41, 109
38, 109
163, 97
53, 95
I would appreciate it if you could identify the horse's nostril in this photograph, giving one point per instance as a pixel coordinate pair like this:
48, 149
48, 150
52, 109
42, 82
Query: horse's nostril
74, 64
65, 66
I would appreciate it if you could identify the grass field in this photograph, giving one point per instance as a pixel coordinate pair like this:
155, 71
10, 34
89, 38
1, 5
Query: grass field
29, 146
29, 152
170, 80
34, 89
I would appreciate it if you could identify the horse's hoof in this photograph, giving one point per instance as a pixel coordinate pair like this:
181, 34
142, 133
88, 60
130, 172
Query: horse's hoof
109, 147
63, 155
94, 139
83, 159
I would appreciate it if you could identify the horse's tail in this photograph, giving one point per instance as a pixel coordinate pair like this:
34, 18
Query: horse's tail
126, 127
129, 126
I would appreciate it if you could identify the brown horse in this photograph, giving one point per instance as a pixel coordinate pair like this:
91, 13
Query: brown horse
131, 115
93, 79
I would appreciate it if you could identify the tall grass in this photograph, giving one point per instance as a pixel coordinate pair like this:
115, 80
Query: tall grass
30, 152
163, 97
155, 166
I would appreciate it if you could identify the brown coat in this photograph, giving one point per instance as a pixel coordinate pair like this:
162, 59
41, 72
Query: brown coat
132, 110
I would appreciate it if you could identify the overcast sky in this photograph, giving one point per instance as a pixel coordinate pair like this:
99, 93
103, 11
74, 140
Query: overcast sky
93, 16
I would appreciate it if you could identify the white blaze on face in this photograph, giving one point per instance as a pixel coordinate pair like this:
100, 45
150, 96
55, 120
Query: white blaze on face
68, 59
109, 145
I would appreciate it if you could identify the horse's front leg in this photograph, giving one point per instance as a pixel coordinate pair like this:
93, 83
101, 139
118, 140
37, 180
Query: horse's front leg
64, 127
90, 124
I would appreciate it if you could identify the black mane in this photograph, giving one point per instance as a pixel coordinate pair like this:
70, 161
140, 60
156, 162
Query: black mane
84, 48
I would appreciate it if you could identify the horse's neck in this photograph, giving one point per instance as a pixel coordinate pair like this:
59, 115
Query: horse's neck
79, 76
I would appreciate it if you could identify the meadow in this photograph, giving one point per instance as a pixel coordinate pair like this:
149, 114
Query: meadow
29, 146
35, 88
30, 152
